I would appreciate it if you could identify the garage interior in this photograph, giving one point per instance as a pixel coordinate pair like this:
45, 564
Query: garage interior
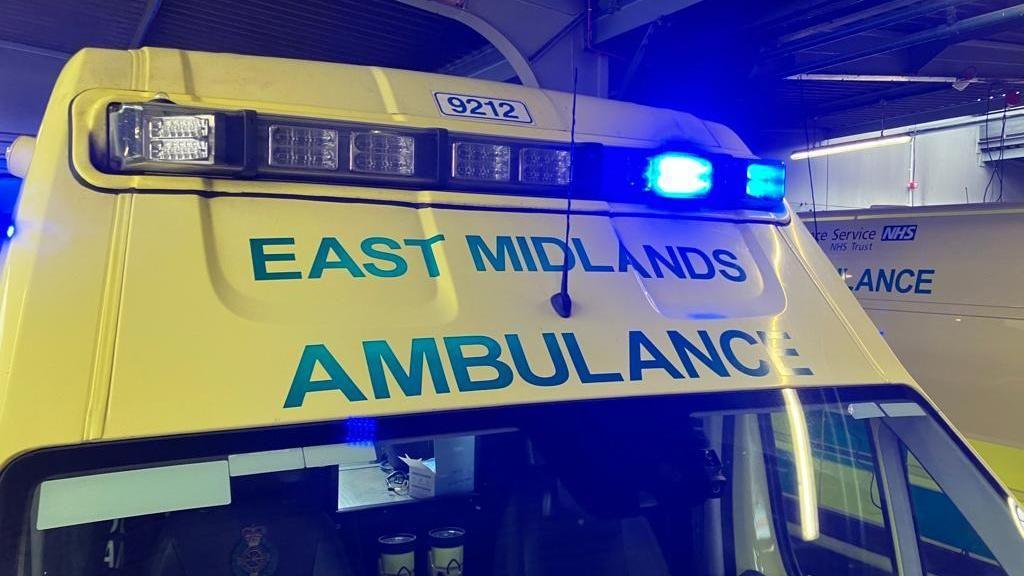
786, 76
894, 127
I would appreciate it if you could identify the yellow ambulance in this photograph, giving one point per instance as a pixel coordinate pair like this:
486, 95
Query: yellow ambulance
265, 317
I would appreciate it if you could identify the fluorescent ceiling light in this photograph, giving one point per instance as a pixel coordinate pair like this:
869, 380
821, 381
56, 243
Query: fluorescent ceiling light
849, 147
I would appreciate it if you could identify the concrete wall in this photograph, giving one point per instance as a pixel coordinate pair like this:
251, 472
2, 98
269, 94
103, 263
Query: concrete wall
947, 170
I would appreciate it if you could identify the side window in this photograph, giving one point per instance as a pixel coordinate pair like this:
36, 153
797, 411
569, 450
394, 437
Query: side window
948, 543
852, 535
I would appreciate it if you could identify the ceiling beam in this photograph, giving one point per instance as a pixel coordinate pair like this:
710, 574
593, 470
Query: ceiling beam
904, 78
512, 54
861, 26
968, 28
874, 78
875, 98
486, 63
844, 20
145, 22
970, 108
634, 15
921, 55
788, 12
29, 49
789, 117
993, 45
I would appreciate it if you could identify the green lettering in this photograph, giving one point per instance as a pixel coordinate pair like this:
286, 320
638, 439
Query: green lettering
328, 246
260, 258
398, 265
427, 247
424, 351
461, 364
505, 253
303, 383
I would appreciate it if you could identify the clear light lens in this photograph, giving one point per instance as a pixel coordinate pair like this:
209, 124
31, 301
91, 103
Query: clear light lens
180, 138
547, 166
143, 134
382, 153
480, 161
303, 147
126, 134
676, 175
766, 181
179, 150
197, 127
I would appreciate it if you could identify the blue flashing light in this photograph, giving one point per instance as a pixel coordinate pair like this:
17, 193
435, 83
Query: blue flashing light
10, 231
677, 175
766, 181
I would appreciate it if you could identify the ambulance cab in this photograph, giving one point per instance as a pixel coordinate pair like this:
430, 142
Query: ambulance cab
270, 317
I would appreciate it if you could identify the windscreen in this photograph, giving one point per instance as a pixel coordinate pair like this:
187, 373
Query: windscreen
827, 481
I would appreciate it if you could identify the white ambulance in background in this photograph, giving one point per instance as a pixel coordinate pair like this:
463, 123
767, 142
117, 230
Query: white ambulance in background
943, 285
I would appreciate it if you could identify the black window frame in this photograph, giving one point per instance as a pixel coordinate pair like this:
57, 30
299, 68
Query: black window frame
20, 477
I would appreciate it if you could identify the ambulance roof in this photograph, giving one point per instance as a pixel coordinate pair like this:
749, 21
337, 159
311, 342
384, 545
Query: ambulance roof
238, 303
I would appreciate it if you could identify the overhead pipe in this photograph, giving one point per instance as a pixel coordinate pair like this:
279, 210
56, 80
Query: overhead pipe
791, 11
841, 21
966, 27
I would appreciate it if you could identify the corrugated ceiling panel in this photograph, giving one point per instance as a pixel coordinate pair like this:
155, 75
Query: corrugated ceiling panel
67, 25
379, 32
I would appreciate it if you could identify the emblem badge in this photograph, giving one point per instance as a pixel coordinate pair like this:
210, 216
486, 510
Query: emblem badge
254, 555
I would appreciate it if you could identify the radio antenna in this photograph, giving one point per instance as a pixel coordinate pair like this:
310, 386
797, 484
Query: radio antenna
561, 301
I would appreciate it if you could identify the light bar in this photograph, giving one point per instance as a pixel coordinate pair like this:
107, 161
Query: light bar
766, 181
481, 161
195, 126
545, 166
849, 147
161, 137
381, 152
678, 175
302, 147
145, 135
180, 150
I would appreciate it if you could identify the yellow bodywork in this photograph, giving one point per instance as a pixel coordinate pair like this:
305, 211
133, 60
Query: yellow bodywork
130, 309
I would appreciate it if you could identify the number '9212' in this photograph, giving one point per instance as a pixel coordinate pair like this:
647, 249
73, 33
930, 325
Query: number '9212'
482, 107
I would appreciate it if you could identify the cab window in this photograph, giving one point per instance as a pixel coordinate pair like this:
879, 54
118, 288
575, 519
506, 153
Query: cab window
853, 531
948, 543
754, 483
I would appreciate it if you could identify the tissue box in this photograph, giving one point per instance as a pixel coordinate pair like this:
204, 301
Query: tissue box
450, 471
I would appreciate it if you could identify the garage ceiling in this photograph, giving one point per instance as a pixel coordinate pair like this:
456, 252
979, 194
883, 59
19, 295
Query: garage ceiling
727, 61
380, 32
731, 60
